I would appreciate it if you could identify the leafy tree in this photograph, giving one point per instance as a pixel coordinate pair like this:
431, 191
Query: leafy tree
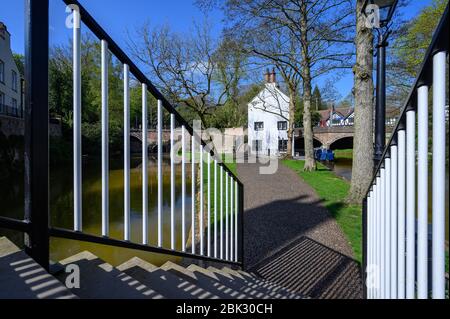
317, 100
415, 38
19, 59
408, 51
322, 31
61, 103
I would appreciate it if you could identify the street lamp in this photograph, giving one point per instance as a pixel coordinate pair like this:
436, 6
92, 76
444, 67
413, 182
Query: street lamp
380, 14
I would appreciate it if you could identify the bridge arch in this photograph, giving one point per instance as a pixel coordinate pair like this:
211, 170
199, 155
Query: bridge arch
342, 143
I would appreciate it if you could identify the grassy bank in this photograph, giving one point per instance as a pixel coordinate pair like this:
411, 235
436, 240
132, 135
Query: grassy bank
333, 190
233, 168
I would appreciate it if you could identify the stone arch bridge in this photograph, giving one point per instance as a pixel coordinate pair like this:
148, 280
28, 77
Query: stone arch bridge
335, 137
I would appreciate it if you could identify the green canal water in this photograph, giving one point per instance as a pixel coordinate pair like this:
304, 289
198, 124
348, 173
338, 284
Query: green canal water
61, 208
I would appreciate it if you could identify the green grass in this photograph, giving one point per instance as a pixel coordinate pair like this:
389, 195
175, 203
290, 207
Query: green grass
333, 190
343, 154
233, 168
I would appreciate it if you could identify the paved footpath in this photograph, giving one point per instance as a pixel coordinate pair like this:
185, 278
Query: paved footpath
286, 226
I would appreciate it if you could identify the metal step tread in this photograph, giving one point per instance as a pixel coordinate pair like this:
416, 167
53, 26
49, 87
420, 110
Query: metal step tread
227, 280
274, 290
252, 289
164, 282
205, 281
100, 280
22, 278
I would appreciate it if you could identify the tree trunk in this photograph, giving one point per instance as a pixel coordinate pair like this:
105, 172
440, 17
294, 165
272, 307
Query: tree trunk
197, 229
310, 163
364, 95
292, 106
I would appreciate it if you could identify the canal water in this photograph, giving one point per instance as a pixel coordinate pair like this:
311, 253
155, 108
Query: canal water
61, 208
343, 168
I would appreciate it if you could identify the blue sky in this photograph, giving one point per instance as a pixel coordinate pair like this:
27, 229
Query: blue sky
118, 17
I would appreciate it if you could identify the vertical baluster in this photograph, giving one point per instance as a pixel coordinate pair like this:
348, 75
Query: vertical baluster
231, 219
221, 212
105, 141
422, 194
378, 239
126, 150
226, 216
183, 188
201, 203
394, 233
369, 243
160, 175
77, 156
401, 240
144, 166
439, 176
371, 223
372, 242
387, 223
410, 202
172, 181
208, 248
193, 195
215, 208
382, 232
236, 215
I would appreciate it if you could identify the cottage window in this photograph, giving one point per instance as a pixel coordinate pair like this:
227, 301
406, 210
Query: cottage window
282, 146
2, 71
259, 126
257, 145
14, 80
282, 126
2, 103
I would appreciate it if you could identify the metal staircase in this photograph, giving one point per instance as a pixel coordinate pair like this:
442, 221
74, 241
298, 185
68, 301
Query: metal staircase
21, 277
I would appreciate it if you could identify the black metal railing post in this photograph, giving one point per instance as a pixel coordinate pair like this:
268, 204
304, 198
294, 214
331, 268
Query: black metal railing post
36, 130
380, 112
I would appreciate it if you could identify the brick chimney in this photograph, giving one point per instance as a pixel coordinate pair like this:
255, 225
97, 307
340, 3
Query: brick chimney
267, 76
4, 34
273, 76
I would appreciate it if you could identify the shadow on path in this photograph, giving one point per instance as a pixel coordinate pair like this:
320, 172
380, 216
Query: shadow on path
312, 269
280, 212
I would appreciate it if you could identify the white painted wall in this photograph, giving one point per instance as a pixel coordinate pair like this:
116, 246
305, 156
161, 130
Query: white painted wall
6, 57
270, 106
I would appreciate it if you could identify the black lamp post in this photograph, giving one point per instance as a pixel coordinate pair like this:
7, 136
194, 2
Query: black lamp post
380, 21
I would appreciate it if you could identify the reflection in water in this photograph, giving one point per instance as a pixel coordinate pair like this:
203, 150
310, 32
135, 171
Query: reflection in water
343, 168
61, 210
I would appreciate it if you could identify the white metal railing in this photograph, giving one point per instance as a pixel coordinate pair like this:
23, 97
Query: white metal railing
231, 189
396, 210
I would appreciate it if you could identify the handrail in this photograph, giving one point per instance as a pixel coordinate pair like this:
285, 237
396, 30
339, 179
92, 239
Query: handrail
424, 75
36, 223
396, 206
100, 33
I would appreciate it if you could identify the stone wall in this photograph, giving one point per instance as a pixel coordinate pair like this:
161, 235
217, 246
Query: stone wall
16, 126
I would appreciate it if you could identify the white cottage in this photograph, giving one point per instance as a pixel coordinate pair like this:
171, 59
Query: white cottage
268, 118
